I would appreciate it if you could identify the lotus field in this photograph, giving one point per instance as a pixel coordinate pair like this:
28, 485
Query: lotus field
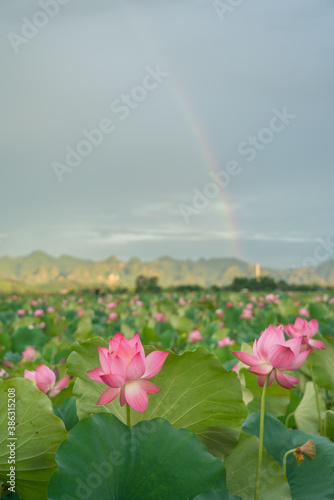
167, 397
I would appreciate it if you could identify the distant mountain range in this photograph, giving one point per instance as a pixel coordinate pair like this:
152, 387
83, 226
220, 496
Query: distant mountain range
42, 271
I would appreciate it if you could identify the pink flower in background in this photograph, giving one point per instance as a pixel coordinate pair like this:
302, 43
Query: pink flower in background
134, 313
249, 306
111, 305
8, 364
290, 294
219, 313
81, 312
38, 313
126, 371
318, 298
195, 336
14, 297
182, 302
325, 297
270, 297
3, 373
159, 317
296, 304
45, 380
113, 316
100, 300
331, 301
118, 301
139, 303
42, 325
240, 304
246, 314
29, 354
50, 309
34, 303
131, 302
229, 305
64, 302
305, 330
260, 305
304, 312
80, 300
253, 299
221, 325
20, 312
225, 342
190, 301
272, 354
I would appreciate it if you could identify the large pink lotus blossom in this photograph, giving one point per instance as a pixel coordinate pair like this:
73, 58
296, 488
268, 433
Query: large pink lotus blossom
195, 336
306, 330
45, 379
126, 371
272, 354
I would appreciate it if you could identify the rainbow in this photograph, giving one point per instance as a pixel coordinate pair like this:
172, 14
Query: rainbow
193, 123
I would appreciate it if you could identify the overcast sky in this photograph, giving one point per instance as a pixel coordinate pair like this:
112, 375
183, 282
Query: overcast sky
182, 89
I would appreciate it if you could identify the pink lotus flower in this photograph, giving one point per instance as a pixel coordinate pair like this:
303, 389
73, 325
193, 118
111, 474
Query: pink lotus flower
64, 302
304, 312
38, 313
29, 354
126, 371
229, 305
45, 379
290, 294
270, 297
195, 336
81, 312
131, 302
190, 301
100, 300
113, 316
134, 313
139, 303
111, 305
249, 306
331, 301
306, 330
50, 309
182, 302
80, 300
235, 367
3, 373
272, 354
14, 297
240, 304
221, 325
260, 305
42, 325
219, 313
246, 314
160, 317
20, 312
225, 342
34, 303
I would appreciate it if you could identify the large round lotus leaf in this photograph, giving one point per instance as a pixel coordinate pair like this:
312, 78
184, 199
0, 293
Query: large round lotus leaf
308, 480
241, 468
38, 435
197, 393
24, 337
102, 458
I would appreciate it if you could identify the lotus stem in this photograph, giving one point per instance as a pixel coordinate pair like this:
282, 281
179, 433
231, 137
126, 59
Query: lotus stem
285, 457
128, 416
316, 399
325, 421
259, 457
